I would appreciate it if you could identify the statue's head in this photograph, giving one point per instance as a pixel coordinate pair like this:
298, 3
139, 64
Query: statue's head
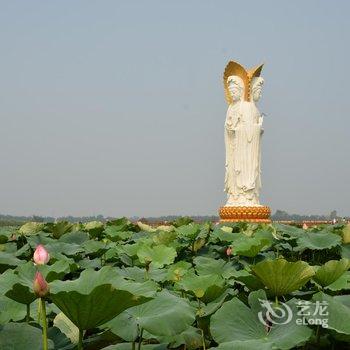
256, 88
236, 87
238, 80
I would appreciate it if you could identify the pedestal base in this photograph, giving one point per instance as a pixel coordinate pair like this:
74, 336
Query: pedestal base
249, 214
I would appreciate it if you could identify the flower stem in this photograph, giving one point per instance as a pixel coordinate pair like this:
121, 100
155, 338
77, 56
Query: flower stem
140, 340
28, 313
43, 316
80, 344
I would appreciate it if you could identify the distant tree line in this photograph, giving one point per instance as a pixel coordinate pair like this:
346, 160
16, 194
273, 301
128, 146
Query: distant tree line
279, 215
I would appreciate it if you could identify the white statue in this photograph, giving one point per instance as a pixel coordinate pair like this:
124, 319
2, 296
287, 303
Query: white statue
243, 130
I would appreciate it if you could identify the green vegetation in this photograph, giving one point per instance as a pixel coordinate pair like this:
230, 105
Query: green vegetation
119, 285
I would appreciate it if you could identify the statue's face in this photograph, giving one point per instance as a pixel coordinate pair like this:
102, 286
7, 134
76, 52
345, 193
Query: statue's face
236, 87
257, 84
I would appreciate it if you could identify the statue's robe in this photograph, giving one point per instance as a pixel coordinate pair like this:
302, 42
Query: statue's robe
243, 129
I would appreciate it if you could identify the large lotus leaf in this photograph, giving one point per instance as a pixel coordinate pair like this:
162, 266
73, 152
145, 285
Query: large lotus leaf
158, 256
58, 229
121, 224
191, 338
8, 260
236, 322
177, 271
190, 231
7, 233
164, 237
206, 287
345, 251
94, 298
318, 240
10, 310
21, 336
165, 315
57, 248
331, 271
249, 280
114, 234
140, 275
222, 234
346, 234
282, 277
94, 248
75, 237
337, 311
95, 228
67, 327
343, 282
31, 228
17, 287
289, 231
251, 246
209, 266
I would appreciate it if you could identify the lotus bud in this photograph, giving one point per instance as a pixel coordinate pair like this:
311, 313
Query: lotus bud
305, 227
229, 251
40, 286
41, 255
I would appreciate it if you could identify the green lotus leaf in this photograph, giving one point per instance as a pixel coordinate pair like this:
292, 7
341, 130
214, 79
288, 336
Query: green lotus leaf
67, 327
282, 277
10, 310
331, 271
95, 228
114, 234
206, 287
190, 231
251, 246
318, 240
21, 336
7, 233
94, 298
223, 234
58, 229
8, 260
210, 266
158, 256
75, 237
177, 271
345, 251
94, 248
165, 315
343, 282
337, 311
18, 287
289, 231
140, 275
346, 234
236, 326
191, 338
164, 237
31, 228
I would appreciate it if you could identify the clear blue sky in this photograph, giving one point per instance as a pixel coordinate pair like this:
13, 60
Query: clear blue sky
117, 107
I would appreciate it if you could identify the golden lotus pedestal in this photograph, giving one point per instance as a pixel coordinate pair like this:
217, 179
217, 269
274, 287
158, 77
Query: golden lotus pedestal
259, 214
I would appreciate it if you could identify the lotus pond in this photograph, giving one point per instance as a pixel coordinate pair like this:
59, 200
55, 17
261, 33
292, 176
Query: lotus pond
125, 286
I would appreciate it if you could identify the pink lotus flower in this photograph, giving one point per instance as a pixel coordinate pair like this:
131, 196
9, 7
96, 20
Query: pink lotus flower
305, 227
229, 251
40, 286
41, 255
